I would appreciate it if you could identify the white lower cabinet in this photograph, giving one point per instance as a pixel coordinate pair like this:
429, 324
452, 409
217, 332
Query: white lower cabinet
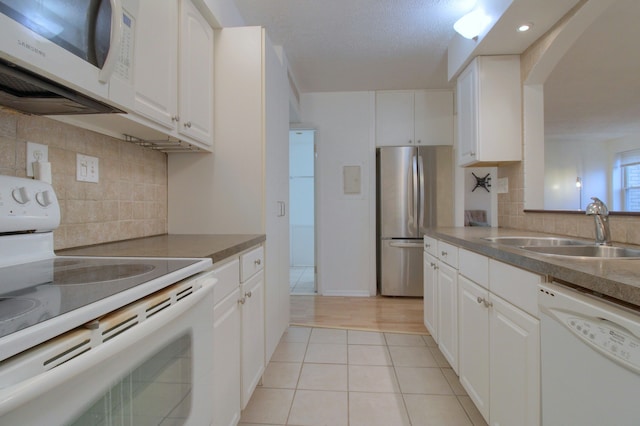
499, 343
239, 345
448, 313
430, 280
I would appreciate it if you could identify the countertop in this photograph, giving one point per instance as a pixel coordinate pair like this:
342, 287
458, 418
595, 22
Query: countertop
616, 278
215, 246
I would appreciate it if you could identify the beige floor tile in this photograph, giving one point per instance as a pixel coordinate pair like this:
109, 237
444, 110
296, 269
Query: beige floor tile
372, 378
377, 409
410, 356
289, 352
439, 357
429, 341
436, 410
296, 334
282, 375
355, 337
329, 377
328, 335
316, 408
397, 339
423, 381
369, 355
454, 382
326, 353
472, 411
270, 406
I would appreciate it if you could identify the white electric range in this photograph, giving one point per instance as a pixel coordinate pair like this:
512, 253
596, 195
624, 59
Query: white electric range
47, 301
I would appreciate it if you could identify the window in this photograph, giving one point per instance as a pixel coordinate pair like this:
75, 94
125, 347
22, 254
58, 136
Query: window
630, 168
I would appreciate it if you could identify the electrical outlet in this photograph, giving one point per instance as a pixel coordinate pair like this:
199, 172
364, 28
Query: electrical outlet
36, 152
87, 169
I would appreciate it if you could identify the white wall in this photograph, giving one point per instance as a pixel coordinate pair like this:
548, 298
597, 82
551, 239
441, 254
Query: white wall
480, 199
345, 125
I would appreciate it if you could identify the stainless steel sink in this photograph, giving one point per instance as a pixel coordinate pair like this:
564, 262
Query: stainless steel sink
588, 251
536, 241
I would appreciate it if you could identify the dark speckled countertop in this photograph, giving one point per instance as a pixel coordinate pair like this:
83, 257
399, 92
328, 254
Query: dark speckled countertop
616, 278
217, 247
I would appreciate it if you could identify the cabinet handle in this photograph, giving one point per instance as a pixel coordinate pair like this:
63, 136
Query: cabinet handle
427, 245
175, 118
410, 142
487, 304
187, 124
472, 153
257, 262
247, 294
480, 299
419, 142
444, 253
242, 301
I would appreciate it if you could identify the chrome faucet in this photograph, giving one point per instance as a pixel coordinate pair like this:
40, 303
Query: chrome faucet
600, 213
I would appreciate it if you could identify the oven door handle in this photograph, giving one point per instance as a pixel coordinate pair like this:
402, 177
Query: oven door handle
23, 392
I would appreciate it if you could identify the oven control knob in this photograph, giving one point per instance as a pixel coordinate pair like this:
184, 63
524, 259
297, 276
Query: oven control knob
44, 198
21, 195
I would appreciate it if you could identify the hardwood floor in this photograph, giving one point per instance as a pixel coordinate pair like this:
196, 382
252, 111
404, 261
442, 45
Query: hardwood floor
386, 314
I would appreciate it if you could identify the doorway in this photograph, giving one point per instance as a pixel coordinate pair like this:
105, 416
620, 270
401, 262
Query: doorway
302, 262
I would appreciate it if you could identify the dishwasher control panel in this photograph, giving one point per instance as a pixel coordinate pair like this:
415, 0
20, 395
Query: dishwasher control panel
614, 340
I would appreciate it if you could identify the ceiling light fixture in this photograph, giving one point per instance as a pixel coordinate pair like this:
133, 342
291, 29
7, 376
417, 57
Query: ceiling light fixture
525, 27
472, 24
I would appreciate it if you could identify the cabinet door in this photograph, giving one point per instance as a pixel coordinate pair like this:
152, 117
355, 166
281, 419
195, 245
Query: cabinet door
226, 360
433, 117
448, 313
252, 335
394, 118
431, 295
467, 103
156, 56
474, 342
196, 75
514, 365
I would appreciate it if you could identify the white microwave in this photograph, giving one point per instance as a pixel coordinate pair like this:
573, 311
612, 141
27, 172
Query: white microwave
67, 56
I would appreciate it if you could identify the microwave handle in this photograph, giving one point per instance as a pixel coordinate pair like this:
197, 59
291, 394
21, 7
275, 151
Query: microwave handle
114, 42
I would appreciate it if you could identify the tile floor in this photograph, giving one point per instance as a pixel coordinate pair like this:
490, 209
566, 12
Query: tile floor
321, 376
301, 280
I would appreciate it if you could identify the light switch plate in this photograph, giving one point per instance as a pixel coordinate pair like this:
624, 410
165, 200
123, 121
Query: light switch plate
87, 169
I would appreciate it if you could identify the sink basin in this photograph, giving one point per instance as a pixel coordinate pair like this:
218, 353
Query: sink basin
536, 241
589, 251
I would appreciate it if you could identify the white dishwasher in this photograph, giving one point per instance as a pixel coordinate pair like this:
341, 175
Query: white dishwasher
590, 359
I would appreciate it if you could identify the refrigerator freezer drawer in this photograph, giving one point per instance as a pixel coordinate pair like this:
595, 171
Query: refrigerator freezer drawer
401, 268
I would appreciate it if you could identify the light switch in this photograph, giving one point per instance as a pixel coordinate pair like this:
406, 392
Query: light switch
87, 169
351, 179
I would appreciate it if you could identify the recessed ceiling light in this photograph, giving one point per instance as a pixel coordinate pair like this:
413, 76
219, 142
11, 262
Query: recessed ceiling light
525, 27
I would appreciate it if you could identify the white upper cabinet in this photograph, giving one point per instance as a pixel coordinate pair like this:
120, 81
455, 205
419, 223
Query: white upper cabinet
174, 70
408, 117
489, 103
195, 75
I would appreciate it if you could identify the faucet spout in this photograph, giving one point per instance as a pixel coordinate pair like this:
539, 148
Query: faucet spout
600, 213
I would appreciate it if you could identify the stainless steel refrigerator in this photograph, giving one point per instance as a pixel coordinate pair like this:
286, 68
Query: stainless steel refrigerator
406, 193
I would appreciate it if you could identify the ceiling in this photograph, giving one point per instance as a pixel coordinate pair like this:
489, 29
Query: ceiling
593, 93
352, 45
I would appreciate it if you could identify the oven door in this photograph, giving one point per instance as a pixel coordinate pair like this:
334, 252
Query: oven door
157, 371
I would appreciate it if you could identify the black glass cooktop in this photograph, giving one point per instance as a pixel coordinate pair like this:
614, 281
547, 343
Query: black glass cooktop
38, 291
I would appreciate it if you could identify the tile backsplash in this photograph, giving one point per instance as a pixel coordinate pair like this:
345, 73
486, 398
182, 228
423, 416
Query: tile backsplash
130, 199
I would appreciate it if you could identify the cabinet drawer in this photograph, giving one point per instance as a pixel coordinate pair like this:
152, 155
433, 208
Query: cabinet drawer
474, 266
431, 246
228, 275
448, 254
515, 285
251, 262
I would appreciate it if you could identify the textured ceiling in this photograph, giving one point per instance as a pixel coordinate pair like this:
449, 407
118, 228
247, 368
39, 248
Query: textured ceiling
345, 45
594, 92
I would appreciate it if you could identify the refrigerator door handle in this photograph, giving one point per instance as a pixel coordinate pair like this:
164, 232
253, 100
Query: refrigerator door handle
406, 245
421, 203
415, 206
